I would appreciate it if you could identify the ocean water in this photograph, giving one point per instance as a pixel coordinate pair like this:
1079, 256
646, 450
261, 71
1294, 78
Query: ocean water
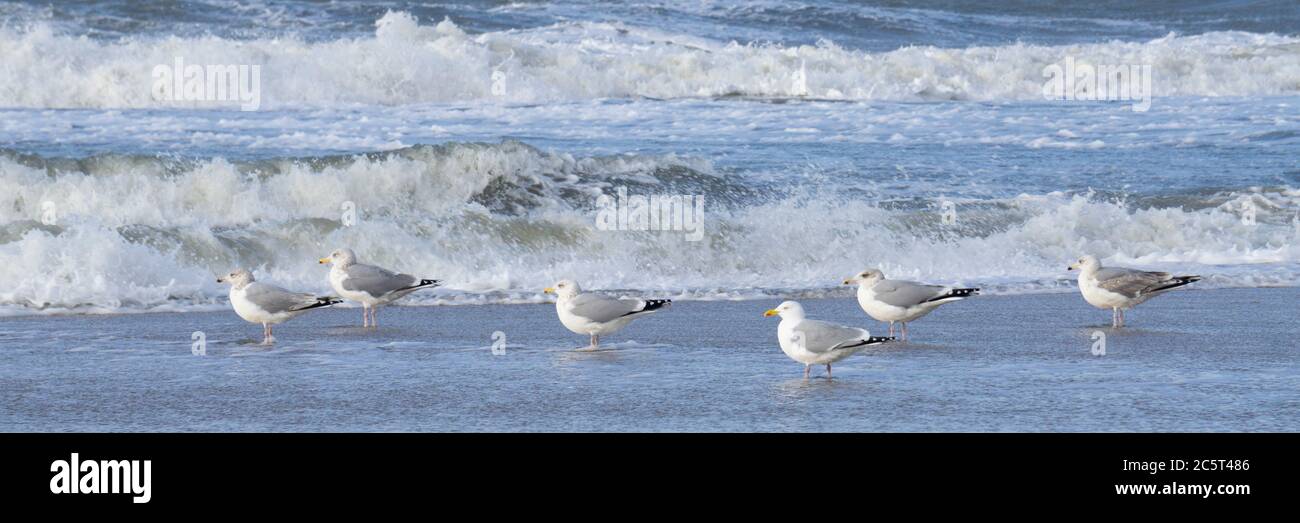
473, 142
395, 112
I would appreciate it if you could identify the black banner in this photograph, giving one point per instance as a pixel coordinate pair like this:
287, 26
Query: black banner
160, 471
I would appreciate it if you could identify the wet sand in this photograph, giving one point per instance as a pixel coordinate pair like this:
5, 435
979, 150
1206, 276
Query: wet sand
1194, 360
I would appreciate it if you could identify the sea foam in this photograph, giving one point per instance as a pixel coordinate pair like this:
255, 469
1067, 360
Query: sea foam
406, 62
498, 221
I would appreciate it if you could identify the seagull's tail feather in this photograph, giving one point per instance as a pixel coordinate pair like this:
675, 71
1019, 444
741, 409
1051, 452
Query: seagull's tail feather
955, 294
1175, 282
321, 301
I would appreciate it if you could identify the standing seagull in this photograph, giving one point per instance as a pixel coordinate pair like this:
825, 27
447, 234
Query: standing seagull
817, 342
901, 301
1117, 288
370, 285
258, 302
597, 314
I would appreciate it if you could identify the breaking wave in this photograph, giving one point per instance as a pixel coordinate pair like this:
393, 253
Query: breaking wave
500, 221
405, 62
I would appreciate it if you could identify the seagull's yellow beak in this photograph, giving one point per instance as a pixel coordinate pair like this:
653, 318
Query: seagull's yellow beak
549, 290
848, 281
1072, 266
324, 260
770, 313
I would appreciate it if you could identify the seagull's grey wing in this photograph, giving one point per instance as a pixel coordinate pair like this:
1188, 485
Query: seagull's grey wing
600, 308
1129, 282
821, 337
906, 293
376, 281
274, 300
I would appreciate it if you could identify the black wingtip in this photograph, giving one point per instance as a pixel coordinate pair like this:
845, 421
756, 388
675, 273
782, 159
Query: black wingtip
322, 301
1177, 281
957, 293
871, 340
422, 284
654, 305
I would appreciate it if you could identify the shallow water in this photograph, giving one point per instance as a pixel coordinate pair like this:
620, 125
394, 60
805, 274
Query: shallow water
1195, 360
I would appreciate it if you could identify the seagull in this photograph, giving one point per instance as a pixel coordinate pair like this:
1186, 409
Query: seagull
901, 301
372, 286
1117, 288
817, 342
597, 314
258, 302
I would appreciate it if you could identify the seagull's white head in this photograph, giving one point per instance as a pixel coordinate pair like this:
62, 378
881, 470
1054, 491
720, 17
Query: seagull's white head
238, 278
340, 258
564, 289
788, 310
1087, 263
868, 277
